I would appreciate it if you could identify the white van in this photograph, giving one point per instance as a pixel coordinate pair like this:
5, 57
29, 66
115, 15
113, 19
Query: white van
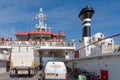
55, 70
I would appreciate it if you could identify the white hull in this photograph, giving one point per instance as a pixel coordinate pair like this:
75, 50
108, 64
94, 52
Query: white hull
109, 62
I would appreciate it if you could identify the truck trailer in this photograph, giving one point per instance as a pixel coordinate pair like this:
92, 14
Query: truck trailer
25, 60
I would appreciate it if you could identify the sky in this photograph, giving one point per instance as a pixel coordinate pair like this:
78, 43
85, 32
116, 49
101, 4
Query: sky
62, 15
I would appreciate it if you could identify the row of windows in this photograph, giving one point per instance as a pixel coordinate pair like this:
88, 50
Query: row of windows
35, 37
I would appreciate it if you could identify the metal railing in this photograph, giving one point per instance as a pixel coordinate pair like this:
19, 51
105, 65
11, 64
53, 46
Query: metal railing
108, 47
94, 43
37, 43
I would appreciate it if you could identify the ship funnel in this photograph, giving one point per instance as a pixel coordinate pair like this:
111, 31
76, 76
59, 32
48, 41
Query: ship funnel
85, 16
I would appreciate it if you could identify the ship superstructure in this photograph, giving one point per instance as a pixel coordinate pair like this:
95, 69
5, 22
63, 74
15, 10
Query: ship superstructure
42, 32
36, 46
44, 39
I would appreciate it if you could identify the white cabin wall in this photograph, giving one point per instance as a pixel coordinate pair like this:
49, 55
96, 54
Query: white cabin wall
110, 63
113, 65
88, 64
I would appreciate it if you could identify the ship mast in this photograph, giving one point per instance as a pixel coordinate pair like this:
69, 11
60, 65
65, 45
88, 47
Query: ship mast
41, 17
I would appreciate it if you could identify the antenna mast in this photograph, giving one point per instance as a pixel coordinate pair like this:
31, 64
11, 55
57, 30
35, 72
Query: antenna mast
41, 17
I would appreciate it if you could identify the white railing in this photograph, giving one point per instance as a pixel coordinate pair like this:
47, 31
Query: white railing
37, 43
104, 48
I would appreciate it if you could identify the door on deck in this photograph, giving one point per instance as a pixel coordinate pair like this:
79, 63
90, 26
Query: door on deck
104, 74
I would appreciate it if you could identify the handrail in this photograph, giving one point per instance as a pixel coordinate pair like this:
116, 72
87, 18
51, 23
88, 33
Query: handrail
36, 43
115, 35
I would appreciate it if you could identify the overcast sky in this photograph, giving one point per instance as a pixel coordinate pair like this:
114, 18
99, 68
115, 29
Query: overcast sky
62, 15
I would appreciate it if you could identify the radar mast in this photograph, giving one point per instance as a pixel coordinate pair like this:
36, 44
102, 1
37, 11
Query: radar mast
41, 17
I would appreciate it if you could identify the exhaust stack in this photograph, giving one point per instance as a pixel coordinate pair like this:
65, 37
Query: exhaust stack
85, 16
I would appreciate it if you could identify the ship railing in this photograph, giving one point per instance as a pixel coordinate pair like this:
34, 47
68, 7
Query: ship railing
110, 48
57, 44
6, 43
37, 43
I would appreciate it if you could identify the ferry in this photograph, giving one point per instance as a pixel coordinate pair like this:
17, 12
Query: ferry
31, 50
97, 54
